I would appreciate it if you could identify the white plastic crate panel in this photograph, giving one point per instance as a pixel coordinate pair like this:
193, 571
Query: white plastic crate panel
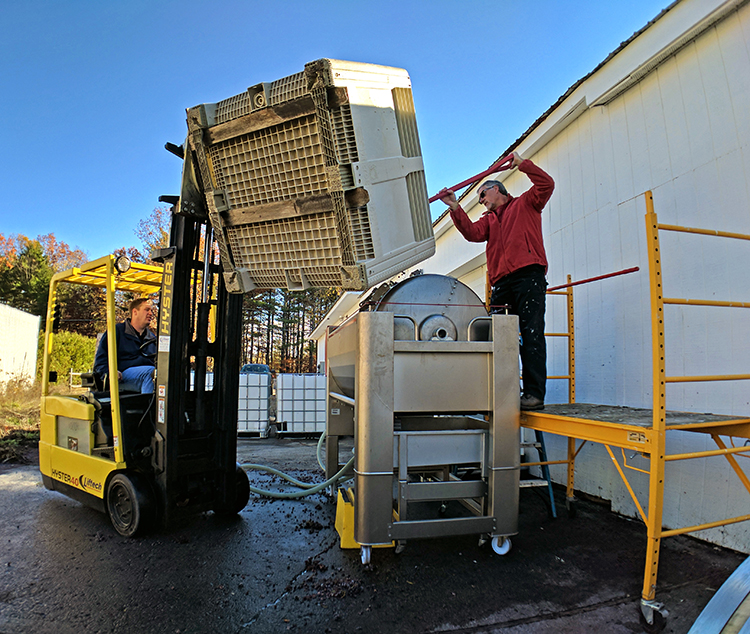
301, 402
209, 380
253, 401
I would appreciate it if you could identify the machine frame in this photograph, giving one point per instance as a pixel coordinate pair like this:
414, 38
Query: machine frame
421, 433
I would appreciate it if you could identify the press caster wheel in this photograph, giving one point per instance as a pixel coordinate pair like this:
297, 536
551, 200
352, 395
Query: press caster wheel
365, 554
659, 618
501, 545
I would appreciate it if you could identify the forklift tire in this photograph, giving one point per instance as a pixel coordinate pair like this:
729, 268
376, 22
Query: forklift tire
130, 504
241, 496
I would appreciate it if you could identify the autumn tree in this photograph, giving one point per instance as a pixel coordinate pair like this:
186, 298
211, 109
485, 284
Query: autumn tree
82, 307
153, 231
26, 268
25, 277
60, 256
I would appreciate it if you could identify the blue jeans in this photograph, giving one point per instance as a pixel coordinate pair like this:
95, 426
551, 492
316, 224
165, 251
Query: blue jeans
141, 377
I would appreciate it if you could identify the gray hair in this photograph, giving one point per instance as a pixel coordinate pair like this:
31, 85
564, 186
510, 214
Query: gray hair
490, 184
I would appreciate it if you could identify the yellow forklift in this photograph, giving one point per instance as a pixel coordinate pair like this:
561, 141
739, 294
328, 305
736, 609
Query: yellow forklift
149, 459
275, 192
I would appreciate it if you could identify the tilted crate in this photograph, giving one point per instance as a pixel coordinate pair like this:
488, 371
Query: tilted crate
315, 179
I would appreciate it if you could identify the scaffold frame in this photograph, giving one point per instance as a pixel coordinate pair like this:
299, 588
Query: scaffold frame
643, 430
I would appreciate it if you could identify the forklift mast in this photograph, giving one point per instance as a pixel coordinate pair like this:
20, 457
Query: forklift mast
194, 445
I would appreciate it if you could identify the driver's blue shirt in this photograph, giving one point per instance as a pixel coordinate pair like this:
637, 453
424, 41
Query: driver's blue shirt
131, 351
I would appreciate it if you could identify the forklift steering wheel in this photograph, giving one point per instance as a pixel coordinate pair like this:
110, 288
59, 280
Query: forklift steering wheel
152, 355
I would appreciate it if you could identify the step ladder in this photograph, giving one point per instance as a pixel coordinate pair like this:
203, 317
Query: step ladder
545, 480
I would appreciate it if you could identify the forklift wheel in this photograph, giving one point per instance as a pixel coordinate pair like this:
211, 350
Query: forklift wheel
130, 504
241, 496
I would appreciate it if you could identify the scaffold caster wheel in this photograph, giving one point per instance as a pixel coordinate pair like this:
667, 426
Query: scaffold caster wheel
365, 553
572, 506
501, 545
653, 617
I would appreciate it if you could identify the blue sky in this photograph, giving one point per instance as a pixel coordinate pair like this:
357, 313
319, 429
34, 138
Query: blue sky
92, 89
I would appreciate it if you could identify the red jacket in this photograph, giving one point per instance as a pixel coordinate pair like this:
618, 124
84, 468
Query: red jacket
513, 232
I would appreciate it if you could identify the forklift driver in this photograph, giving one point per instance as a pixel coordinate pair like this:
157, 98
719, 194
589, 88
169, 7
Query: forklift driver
136, 349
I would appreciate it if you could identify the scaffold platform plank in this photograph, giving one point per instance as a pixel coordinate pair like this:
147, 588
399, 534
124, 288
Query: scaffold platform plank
626, 427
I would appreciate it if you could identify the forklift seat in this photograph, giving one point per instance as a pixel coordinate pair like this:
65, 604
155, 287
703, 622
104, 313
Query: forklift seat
99, 396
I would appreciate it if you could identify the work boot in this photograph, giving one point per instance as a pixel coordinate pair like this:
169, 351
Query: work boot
531, 403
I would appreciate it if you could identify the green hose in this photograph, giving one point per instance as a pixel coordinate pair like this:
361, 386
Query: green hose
318, 448
281, 474
309, 489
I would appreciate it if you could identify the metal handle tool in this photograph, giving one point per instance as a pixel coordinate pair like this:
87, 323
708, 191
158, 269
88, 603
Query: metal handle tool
500, 166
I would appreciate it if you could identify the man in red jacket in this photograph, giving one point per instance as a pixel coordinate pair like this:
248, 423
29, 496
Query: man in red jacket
516, 264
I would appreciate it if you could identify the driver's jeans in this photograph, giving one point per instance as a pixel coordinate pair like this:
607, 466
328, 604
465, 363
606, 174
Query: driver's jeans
140, 376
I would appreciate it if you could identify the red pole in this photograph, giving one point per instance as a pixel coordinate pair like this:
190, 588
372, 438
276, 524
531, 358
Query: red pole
501, 165
594, 279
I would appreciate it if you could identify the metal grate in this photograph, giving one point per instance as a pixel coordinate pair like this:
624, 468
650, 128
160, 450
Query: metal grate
278, 278
361, 233
309, 241
347, 177
406, 121
416, 187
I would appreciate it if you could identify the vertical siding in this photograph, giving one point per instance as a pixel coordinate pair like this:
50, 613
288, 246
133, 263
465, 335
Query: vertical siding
679, 134
684, 133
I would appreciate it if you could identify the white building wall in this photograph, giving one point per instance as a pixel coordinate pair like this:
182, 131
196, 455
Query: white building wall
683, 132
19, 338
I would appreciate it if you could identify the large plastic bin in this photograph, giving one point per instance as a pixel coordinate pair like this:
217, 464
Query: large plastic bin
315, 179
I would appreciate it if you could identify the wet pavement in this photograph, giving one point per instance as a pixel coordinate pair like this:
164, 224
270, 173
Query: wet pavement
277, 567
